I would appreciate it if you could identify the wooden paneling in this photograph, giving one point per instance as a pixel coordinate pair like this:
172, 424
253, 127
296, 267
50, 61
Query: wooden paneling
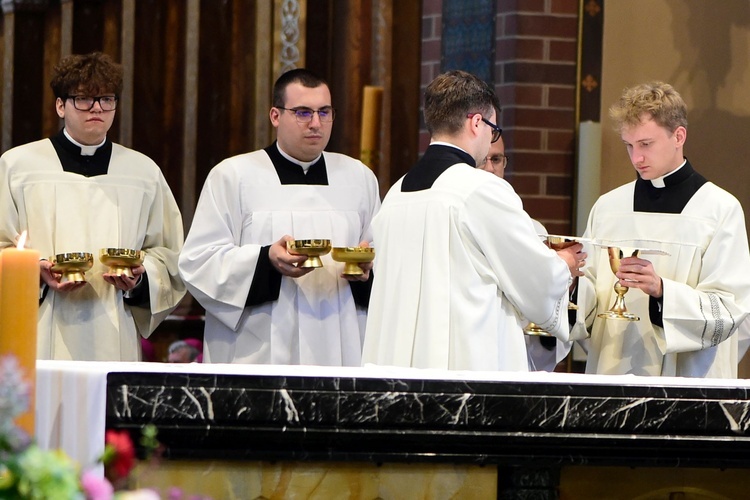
198, 73
27, 74
404, 89
241, 78
158, 85
370, 42
52, 50
214, 85
351, 66
320, 26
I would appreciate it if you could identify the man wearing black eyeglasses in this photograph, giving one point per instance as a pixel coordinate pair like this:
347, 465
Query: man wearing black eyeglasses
77, 193
459, 264
262, 304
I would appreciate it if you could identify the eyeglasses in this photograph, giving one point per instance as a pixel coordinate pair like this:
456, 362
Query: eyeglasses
86, 103
305, 115
496, 131
497, 160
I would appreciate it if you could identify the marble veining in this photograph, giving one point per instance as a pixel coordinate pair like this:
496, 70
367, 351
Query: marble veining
313, 417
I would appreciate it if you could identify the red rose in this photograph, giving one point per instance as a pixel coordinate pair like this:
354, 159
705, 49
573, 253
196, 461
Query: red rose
122, 457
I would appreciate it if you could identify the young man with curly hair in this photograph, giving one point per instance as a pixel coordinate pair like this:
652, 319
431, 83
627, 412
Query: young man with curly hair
79, 192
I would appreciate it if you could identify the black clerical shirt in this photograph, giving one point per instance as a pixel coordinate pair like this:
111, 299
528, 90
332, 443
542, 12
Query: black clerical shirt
437, 159
266, 285
73, 161
678, 189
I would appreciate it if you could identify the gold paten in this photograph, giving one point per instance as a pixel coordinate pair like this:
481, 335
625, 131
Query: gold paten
120, 260
72, 265
352, 257
312, 248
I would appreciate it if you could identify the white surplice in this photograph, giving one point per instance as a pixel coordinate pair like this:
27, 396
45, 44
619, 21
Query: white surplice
131, 206
244, 206
706, 283
542, 358
458, 268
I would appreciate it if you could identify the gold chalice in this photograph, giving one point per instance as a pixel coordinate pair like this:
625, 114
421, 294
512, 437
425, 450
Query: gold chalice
618, 309
312, 248
352, 257
120, 260
72, 266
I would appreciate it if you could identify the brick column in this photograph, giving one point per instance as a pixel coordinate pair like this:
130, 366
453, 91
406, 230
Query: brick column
535, 78
536, 81
432, 29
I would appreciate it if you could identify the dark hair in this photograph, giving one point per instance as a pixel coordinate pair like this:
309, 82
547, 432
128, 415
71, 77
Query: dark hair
452, 96
91, 74
303, 76
181, 344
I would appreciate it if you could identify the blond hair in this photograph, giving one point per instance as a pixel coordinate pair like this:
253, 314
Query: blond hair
659, 100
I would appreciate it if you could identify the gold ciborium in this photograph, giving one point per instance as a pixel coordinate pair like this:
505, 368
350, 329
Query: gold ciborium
72, 265
352, 257
534, 330
120, 260
618, 309
312, 248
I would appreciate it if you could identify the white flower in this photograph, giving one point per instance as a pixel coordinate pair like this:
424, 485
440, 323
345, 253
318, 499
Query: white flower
144, 494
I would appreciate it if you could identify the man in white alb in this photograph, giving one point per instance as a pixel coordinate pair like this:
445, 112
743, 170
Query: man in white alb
691, 301
79, 192
261, 306
460, 268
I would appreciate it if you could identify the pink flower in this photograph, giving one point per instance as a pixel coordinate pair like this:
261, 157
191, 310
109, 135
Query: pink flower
96, 487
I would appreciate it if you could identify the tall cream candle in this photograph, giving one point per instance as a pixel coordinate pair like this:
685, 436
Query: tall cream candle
372, 103
19, 310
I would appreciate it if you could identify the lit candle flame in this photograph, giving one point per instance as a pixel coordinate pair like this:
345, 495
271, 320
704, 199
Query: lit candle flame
21, 240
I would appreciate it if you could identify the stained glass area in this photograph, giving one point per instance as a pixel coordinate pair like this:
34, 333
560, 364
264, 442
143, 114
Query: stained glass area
469, 37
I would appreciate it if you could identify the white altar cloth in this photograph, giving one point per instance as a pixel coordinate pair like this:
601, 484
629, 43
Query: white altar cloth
71, 395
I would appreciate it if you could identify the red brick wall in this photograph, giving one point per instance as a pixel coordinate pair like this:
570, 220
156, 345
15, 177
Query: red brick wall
432, 20
535, 78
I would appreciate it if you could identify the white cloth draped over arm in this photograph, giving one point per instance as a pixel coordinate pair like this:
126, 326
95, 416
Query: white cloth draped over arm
706, 290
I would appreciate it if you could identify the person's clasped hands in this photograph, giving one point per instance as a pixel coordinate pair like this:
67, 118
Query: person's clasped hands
635, 272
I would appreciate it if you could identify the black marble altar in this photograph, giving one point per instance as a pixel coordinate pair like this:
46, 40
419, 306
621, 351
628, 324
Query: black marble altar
271, 417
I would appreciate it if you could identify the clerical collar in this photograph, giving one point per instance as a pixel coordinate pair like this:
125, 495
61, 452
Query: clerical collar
73, 161
443, 143
679, 187
85, 150
660, 182
304, 164
438, 158
290, 171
